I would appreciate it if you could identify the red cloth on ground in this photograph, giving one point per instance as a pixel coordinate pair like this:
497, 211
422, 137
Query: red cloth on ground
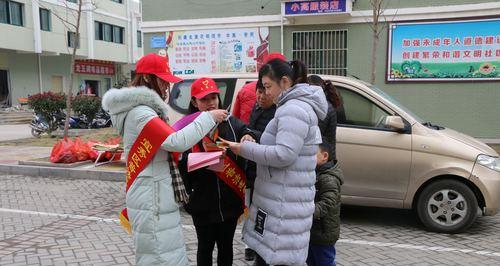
245, 100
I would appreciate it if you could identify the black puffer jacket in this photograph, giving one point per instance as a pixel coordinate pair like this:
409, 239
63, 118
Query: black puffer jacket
259, 118
210, 199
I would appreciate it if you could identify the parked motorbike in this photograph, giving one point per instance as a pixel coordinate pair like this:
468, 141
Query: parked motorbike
40, 125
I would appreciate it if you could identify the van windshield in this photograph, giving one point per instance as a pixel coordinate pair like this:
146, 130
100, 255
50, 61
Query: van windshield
395, 102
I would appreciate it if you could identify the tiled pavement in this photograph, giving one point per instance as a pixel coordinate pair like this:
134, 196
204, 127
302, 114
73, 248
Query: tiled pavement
51, 221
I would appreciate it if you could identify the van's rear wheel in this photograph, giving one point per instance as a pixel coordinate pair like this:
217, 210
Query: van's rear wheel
447, 206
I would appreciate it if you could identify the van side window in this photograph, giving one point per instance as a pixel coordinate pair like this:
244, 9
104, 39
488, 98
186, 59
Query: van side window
359, 111
180, 95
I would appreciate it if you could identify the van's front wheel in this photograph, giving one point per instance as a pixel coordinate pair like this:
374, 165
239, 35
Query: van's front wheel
447, 206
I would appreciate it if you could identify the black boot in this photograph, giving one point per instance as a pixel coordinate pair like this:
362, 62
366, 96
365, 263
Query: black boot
249, 254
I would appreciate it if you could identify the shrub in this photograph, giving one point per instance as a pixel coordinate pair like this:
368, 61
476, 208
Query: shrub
47, 104
87, 105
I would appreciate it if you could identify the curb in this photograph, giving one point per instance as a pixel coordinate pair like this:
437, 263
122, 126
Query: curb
38, 171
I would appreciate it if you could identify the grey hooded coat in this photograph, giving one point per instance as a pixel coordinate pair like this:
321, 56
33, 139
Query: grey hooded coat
152, 210
283, 201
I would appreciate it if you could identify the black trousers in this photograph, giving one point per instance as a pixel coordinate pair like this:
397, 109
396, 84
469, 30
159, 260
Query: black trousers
210, 234
259, 261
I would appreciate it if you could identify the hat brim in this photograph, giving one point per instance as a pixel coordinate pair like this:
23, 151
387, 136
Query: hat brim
205, 93
169, 78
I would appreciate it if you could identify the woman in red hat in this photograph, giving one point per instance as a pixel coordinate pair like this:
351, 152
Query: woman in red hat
216, 195
154, 186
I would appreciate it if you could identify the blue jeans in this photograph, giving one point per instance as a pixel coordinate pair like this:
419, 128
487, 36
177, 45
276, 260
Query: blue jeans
321, 255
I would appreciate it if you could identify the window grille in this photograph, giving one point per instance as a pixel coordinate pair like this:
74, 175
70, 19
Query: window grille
323, 52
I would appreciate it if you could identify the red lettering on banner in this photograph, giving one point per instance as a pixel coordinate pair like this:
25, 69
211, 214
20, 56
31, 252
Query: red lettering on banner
489, 39
457, 41
478, 40
467, 41
406, 42
435, 54
304, 6
498, 39
488, 53
416, 42
295, 7
456, 54
478, 53
446, 54
415, 55
426, 55
406, 55
314, 6
498, 52
467, 53
436, 42
446, 41
426, 42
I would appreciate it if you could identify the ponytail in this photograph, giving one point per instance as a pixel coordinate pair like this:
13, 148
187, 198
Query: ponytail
299, 71
331, 93
276, 69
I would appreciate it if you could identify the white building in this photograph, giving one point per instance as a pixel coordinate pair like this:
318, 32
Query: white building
35, 45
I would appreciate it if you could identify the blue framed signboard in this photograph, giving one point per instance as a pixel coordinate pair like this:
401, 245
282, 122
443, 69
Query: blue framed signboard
444, 50
298, 8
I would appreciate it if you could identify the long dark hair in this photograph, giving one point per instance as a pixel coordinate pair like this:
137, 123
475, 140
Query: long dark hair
150, 81
276, 69
332, 94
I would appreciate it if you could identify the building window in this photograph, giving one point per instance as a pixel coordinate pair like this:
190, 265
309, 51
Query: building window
117, 34
109, 33
45, 19
118, 1
72, 40
323, 52
11, 12
139, 38
72, 1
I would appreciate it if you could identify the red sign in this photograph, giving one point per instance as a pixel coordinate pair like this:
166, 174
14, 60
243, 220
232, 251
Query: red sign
94, 67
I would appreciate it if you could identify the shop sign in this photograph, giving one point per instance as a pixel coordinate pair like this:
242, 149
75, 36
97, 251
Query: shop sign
316, 7
158, 42
92, 67
217, 51
444, 50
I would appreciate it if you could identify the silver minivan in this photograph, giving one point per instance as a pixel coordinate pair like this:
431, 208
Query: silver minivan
392, 158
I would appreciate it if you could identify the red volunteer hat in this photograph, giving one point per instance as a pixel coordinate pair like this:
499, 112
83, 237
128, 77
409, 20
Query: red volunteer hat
203, 87
156, 65
272, 56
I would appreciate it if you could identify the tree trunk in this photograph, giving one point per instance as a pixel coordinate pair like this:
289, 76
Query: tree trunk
72, 70
375, 29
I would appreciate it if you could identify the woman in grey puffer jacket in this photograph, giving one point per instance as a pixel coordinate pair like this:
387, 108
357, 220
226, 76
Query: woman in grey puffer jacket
283, 200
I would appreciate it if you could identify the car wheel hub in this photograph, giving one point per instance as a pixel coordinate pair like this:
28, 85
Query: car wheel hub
447, 207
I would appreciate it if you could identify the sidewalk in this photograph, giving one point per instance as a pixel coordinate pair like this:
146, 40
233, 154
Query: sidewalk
12, 132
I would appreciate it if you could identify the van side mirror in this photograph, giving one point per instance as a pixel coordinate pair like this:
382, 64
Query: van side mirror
395, 122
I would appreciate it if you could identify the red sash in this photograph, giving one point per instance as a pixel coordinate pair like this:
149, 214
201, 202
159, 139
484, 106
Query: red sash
232, 174
154, 133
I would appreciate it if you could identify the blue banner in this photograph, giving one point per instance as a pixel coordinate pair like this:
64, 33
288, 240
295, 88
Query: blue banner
158, 42
315, 7
444, 50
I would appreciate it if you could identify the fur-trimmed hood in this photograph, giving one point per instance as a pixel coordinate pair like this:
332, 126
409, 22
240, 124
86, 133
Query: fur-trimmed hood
118, 102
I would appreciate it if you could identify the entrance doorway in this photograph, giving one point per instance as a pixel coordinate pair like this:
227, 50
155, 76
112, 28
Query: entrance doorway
92, 87
4, 89
57, 84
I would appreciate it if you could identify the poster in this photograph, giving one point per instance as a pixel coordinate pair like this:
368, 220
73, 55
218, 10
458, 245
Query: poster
217, 51
444, 51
